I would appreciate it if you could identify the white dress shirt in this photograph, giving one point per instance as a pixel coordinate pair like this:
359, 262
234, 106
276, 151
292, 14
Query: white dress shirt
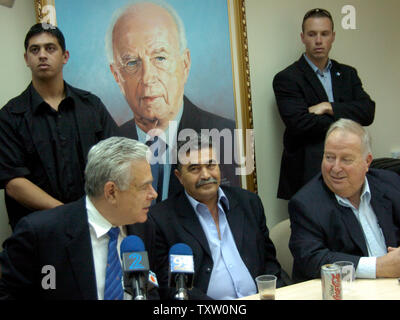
372, 232
98, 228
230, 278
324, 76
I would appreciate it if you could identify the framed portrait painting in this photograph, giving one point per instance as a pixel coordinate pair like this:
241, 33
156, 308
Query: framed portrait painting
218, 80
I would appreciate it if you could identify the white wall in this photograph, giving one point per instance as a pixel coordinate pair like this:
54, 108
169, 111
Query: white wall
273, 28
274, 42
14, 75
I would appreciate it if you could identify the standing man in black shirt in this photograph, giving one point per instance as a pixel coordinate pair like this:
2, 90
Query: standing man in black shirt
47, 131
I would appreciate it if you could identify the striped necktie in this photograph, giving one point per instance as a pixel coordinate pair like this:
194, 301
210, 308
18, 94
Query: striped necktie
113, 286
158, 148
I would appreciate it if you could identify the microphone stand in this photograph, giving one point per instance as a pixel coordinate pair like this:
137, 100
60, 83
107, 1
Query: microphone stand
138, 293
181, 293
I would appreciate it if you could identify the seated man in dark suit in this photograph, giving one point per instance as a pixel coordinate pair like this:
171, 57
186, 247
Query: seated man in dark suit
77, 241
224, 226
350, 212
311, 94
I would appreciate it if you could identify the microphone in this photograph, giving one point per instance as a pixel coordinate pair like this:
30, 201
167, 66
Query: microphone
135, 266
152, 283
181, 270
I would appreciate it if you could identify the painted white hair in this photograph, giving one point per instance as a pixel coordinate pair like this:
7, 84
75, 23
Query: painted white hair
119, 12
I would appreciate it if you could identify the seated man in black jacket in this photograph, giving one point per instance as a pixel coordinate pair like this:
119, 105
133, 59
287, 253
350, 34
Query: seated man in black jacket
71, 251
350, 212
224, 226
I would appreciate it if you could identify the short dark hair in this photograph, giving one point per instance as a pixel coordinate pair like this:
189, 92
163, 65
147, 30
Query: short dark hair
39, 28
194, 142
317, 13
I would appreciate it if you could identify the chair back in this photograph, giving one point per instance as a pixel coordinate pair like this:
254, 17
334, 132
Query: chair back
280, 234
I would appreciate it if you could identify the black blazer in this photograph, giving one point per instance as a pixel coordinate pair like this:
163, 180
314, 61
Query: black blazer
59, 237
196, 119
176, 222
324, 231
297, 88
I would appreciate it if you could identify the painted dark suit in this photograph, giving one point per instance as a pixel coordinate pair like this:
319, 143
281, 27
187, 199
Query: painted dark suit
196, 119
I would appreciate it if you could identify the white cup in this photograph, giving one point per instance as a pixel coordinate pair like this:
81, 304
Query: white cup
266, 285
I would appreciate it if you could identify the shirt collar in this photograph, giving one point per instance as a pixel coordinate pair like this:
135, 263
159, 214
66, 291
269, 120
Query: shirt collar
222, 201
144, 137
365, 195
37, 101
315, 68
99, 224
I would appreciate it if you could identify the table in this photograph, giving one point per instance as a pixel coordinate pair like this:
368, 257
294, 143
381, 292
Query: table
363, 289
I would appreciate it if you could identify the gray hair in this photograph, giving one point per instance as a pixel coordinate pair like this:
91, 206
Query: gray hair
111, 160
119, 12
348, 125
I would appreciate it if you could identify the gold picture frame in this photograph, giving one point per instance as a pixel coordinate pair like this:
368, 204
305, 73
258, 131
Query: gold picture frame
46, 13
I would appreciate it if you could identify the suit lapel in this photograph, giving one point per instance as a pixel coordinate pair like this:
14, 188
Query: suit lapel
383, 211
129, 130
337, 83
353, 228
188, 120
312, 79
348, 221
190, 222
235, 216
80, 252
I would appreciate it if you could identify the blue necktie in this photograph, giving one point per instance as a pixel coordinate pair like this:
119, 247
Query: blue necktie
157, 169
113, 286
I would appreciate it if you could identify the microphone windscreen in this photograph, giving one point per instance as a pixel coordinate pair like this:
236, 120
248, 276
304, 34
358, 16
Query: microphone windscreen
181, 265
134, 256
181, 249
131, 244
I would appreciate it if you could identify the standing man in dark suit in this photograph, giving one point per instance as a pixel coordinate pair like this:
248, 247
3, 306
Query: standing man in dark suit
224, 226
47, 131
74, 240
311, 94
350, 212
150, 61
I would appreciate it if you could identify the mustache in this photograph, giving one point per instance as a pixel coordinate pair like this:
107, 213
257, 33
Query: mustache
208, 181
